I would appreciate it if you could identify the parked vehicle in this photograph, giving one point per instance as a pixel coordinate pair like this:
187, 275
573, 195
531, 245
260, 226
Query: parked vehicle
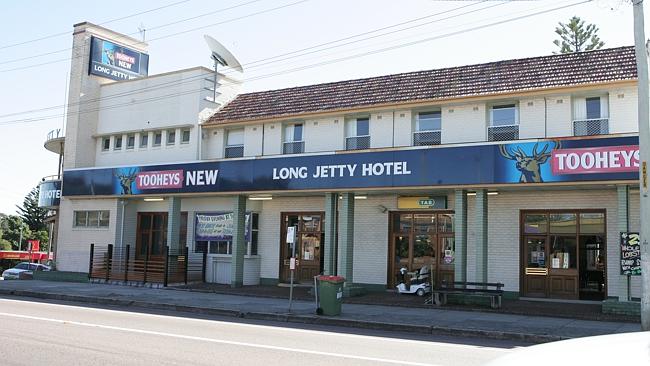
24, 269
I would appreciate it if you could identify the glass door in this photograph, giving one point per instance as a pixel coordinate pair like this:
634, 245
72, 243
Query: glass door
447, 245
308, 246
536, 270
152, 235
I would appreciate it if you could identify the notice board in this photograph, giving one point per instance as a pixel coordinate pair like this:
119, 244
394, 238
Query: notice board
630, 254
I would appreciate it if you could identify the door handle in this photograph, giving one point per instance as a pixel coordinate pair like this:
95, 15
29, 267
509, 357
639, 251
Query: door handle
537, 271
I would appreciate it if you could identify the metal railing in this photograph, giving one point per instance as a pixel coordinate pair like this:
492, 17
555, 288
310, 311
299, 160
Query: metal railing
357, 143
295, 147
503, 133
54, 134
423, 138
234, 151
591, 127
112, 263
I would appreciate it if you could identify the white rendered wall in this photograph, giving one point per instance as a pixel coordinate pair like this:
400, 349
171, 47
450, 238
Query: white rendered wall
273, 138
464, 123
253, 140
403, 128
326, 134
559, 118
532, 115
381, 129
623, 110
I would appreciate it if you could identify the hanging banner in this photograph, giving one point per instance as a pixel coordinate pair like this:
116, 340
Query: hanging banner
630, 254
217, 226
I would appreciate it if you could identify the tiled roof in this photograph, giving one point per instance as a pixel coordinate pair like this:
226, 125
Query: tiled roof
614, 64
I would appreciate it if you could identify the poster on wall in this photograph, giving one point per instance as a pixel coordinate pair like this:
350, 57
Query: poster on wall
116, 62
630, 254
217, 226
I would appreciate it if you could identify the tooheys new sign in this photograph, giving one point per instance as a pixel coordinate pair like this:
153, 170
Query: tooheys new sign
116, 62
598, 159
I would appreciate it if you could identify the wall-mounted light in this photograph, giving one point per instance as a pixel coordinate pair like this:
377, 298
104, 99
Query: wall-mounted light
494, 193
261, 198
360, 197
154, 199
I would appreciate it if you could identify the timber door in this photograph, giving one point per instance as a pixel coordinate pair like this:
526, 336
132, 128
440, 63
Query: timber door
309, 243
152, 235
563, 254
422, 242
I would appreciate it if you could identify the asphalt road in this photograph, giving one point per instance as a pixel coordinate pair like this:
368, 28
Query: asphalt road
42, 333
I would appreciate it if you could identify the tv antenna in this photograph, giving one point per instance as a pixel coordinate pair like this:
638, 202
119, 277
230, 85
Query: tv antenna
142, 30
221, 56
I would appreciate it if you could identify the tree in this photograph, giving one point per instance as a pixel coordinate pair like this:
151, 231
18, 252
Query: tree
576, 37
31, 214
11, 227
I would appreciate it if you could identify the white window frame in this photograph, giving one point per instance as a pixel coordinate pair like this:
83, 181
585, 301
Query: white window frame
104, 140
183, 134
117, 142
171, 142
144, 136
156, 134
102, 216
130, 146
514, 105
417, 121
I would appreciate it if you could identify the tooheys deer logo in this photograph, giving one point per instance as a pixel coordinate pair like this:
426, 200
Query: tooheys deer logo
530, 165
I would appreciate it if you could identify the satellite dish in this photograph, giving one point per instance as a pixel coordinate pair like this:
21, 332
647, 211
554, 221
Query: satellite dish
221, 55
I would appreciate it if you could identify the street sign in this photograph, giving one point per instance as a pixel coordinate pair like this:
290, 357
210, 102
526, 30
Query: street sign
291, 234
34, 245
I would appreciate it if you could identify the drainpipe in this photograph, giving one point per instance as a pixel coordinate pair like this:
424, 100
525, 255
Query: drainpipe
545, 118
124, 203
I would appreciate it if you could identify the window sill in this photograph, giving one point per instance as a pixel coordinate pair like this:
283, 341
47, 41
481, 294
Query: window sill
87, 228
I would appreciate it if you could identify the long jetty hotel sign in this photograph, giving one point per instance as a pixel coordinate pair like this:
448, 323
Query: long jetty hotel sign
116, 62
600, 159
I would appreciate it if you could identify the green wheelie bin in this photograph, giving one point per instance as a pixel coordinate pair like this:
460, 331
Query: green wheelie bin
330, 294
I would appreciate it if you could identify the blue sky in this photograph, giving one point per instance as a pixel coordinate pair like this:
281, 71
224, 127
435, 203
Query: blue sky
253, 37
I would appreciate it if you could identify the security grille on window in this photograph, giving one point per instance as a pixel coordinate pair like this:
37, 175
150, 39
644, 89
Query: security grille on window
358, 134
590, 116
91, 219
235, 143
427, 129
504, 123
293, 141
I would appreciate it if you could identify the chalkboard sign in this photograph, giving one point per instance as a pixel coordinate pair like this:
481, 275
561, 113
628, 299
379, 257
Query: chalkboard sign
630, 254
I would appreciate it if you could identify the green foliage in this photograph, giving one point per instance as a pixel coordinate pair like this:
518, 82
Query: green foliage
31, 214
11, 227
4, 244
575, 36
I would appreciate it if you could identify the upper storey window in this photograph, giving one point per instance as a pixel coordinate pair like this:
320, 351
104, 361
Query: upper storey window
427, 129
235, 143
590, 116
504, 122
357, 134
293, 139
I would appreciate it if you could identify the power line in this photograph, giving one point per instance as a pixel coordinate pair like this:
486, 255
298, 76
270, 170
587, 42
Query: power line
320, 63
106, 22
274, 57
134, 33
163, 37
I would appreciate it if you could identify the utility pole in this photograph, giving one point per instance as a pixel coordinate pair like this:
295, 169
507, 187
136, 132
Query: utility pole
644, 154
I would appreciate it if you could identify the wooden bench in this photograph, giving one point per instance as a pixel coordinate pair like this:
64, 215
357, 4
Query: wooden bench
487, 289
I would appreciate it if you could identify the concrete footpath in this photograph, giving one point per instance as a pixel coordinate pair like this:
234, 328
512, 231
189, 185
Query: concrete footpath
433, 320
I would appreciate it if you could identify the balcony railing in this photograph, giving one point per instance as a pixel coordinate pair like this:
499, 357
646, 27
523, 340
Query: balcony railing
295, 147
424, 138
590, 127
357, 143
503, 133
234, 151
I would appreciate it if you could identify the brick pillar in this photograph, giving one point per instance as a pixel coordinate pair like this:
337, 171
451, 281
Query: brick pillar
346, 237
174, 223
460, 224
623, 195
481, 245
331, 201
238, 241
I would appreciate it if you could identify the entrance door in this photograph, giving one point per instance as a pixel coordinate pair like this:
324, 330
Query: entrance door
308, 246
152, 235
423, 243
536, 270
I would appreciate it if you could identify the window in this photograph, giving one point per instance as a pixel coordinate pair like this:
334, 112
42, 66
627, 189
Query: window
293, 142
157, 138
358, 134
185, 136
91, 219
106, 143
144, 140
130, 141
118, 143
427, 129
590, 116
235, 143
171, 137
504, 123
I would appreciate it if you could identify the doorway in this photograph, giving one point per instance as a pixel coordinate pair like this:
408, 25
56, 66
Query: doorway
152, 234
563, 254
423, 242
310, 237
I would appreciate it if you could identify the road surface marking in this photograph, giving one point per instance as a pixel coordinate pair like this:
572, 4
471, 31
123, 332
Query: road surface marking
213, 340
269, 327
